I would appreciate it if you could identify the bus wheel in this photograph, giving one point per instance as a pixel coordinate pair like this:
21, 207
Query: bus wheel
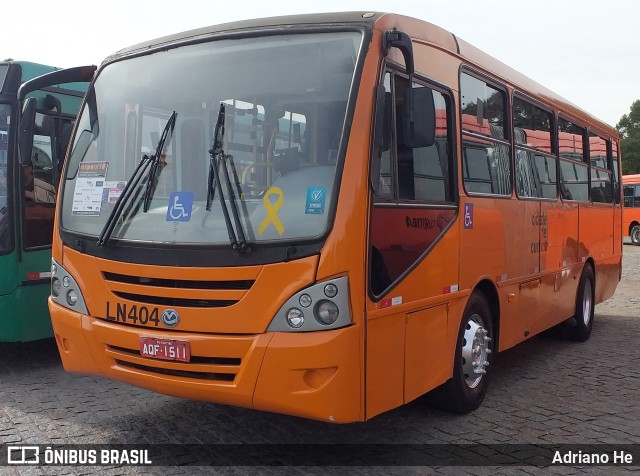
635, 235
585, 306
468, 386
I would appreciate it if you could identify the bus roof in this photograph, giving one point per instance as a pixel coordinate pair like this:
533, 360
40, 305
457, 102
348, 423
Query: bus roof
31, 70
419, 30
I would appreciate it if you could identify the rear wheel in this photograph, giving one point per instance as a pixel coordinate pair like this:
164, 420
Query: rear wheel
465, 391
635, 235
585, 306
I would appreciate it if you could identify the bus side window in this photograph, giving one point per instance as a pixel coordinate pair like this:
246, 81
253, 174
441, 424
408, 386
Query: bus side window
486, 159
628, 195
614, 171
535, 165
574, 171
601, 175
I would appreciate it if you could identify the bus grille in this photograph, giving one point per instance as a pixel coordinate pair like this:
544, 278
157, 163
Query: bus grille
224, 377
169, 301
243, 284
189, 293
222, 369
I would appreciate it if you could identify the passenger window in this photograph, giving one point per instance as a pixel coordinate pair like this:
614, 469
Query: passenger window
602, 188
535, 166
484, 104
571, 140
486, 161
574, 171
614, 170
628, 191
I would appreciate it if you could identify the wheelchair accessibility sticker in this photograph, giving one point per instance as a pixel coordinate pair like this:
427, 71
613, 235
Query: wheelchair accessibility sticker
180, 205
468, 216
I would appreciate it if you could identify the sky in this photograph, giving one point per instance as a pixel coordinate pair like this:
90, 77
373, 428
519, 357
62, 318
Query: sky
586, 51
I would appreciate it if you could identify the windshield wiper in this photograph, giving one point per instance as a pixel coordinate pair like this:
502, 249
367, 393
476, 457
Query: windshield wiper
219, 158
155, 160
132, 184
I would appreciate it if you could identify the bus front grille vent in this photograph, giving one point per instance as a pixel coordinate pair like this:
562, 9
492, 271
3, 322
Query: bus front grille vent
188, 293
216, 376
169, 301
222, 369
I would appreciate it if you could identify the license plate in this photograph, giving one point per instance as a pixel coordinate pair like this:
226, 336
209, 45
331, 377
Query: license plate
165, 349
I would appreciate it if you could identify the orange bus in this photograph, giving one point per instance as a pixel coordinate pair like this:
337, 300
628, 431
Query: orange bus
631, 214
326, 216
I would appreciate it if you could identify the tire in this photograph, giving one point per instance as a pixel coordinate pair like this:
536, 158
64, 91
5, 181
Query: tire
465, 391
635, 235
585, 306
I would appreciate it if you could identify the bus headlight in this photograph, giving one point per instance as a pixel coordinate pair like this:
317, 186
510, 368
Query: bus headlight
72, 296
55, 287
295, 317
328, 301
326, 312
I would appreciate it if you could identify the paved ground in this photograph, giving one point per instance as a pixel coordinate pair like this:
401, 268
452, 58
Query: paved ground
546, 391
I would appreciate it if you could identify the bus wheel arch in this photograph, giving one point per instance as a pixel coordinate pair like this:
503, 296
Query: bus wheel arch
585, 304
490, 292
475, 344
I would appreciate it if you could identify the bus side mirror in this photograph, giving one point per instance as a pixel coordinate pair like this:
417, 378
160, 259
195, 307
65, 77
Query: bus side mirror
418, 111
27, 124
419, 124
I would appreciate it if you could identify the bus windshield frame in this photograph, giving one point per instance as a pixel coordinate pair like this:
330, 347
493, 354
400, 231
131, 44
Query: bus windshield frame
283, 150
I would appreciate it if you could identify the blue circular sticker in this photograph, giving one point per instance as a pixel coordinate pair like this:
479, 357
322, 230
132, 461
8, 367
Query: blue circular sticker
170, 318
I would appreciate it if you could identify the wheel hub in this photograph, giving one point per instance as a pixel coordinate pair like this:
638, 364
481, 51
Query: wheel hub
586, 303
475, 351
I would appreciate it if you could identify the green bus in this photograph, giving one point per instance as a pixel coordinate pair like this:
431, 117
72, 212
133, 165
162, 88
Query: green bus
38, 107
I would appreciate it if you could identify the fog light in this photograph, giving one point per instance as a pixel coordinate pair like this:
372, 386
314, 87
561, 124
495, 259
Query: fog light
331, 290
295, 317
55, 287
72, 297
305, 300
326, 312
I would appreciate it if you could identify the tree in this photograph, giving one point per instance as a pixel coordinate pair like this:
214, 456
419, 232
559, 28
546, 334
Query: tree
629, 129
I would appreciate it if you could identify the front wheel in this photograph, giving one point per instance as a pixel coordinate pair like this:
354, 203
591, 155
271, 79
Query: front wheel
465, 391
635, 235
585, 306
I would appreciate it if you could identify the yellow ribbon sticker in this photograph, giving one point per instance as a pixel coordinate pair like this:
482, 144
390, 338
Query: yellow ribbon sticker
272, 211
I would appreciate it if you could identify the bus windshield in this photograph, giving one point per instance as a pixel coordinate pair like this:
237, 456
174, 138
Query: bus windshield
284, 99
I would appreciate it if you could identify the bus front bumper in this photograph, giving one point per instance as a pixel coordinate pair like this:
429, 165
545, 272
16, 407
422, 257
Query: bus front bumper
313, 375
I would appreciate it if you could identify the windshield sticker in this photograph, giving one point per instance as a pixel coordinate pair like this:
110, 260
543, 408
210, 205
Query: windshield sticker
112, 191
272, 211
180, 206
315, 201
88, 192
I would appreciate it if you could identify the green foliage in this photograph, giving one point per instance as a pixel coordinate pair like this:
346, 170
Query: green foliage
629, 129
